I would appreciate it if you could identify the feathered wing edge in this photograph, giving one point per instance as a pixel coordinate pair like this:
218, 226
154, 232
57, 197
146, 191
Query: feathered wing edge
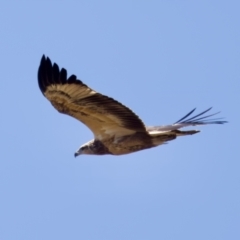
72, 97
185, 121
199, 119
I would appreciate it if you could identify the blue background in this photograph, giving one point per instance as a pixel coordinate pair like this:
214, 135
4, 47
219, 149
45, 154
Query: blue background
161, 59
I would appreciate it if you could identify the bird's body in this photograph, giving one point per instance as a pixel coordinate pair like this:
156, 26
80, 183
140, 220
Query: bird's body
124, 144
117, 130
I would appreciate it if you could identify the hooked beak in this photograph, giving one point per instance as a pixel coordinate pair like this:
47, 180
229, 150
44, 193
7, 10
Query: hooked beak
77, 153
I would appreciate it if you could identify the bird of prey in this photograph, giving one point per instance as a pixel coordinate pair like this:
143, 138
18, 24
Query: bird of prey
117, 130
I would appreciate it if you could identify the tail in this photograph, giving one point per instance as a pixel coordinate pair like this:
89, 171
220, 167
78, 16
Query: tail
170, 132
159, 137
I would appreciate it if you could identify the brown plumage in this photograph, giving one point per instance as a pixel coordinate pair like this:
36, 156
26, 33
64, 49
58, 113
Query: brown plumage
117, 130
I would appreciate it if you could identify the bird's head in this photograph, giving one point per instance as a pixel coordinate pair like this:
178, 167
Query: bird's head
84, 149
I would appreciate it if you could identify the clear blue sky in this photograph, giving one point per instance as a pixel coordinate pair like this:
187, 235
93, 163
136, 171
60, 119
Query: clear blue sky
160, 58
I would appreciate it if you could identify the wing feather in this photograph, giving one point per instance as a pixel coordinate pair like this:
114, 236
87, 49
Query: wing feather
103, 115
199, 119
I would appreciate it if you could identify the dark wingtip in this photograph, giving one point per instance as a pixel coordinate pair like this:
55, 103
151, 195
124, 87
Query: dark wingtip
201, 120
185, 116
41, 74
49, 73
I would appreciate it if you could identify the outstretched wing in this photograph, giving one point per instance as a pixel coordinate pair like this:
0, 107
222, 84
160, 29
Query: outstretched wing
198, 119
103, 115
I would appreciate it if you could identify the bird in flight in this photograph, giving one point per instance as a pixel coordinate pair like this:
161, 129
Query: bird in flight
117, 129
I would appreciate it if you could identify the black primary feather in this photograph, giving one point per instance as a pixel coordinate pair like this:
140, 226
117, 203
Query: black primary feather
201, 120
